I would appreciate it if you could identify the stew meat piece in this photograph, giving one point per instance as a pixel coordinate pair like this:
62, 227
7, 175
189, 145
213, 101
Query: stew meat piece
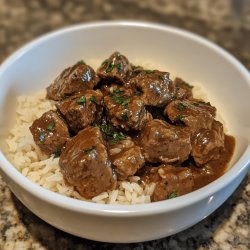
82, 109
183, 89
85, 163
154, 87
207, 143
71, 80
116, 67
195, 114
162, 142
126, 111
50, 132
170, 181
126, 158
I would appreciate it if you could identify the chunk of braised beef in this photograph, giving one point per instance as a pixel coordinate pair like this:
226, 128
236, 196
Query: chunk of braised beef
193, 113
73, 79
170, 181
207, 143
183, 89
85, 164
50, 132
126, 157
82, 109
116, 67
154, 86
164, 143
126, 111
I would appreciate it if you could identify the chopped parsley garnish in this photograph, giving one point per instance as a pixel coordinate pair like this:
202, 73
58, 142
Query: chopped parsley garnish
112, 135
124, 117
117, 136
118, 91
172, 195
57, 153
51, 126
81, 100
88, 150
109, 67
180, 117
42, 137
92, 99
81, 62
202, 103
181, 106
118, 98
107, 129
119, 67
148, 71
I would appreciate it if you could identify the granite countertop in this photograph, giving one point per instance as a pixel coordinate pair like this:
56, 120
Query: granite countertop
224, 22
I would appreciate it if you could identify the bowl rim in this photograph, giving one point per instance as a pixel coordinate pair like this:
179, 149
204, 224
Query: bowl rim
136, 209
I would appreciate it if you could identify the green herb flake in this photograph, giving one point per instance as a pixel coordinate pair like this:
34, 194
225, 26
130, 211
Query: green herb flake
112, 136
51, 126
107, 129
181, 106
109, 67
42, 137
148, 71
81, 62
124, 117
117, 136
81, 100
118, 98
180, 117
117, 91
173, 195
57, 153
88, 150
119, 67
92, 99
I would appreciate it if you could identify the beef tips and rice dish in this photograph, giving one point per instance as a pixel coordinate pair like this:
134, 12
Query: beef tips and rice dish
123, 134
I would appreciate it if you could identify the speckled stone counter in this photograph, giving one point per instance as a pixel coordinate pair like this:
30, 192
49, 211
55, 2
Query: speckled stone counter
224, 22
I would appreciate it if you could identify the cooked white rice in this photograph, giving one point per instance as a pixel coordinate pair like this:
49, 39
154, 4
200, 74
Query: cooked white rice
32, 163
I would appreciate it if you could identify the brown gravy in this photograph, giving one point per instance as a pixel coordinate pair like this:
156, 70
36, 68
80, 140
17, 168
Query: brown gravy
215, 168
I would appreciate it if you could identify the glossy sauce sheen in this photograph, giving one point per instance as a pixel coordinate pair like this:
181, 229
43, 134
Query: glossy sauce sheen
215, 168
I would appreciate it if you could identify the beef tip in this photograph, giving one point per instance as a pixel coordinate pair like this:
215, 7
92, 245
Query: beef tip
195, 114
170, 181
85, 164
116, 67
126, 158
82, 109
71, 80
154, 87
125, 111
162, 142
183, 89
207, 143
50, 132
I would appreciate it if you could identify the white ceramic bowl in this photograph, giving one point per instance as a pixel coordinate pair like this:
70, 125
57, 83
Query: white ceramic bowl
184, 54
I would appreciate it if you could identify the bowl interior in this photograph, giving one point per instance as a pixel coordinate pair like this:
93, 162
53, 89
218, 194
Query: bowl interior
223, 79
